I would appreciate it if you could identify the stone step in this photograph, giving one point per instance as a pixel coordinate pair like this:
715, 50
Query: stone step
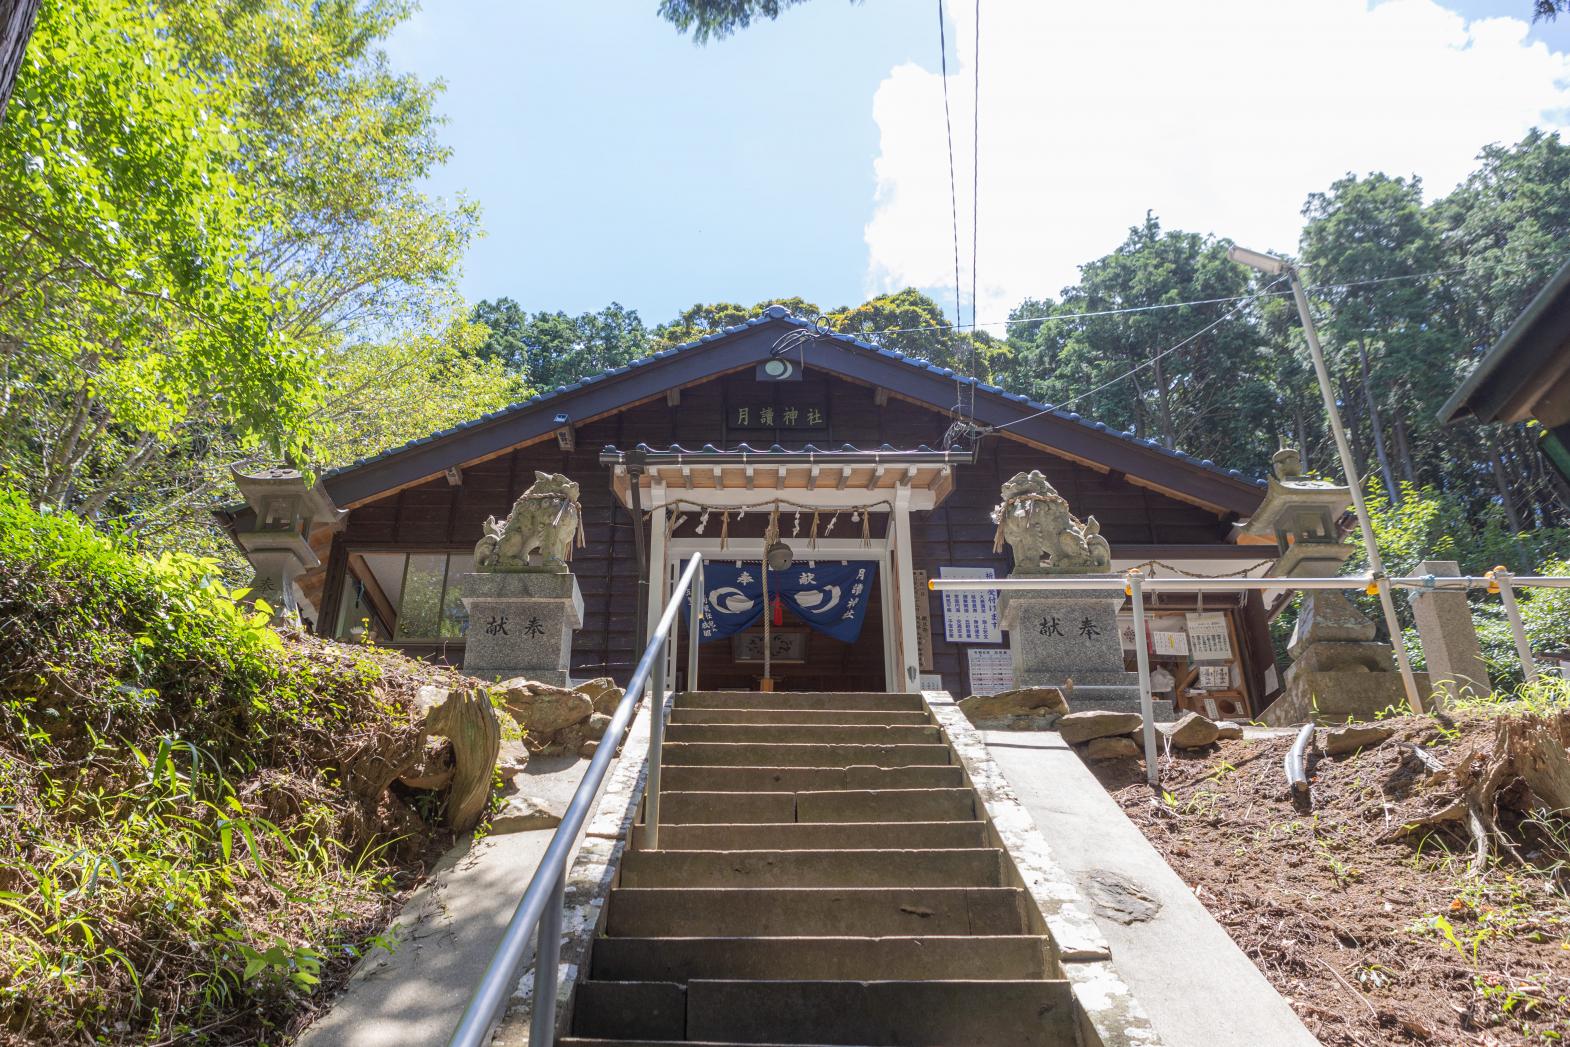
813, 836
786, 912
981, 867
837, 805
845, 717
802, 734
1009, 957
597, 1041
1035, 1013
754, 754
801, 779
797, 700
886, 805
710, 808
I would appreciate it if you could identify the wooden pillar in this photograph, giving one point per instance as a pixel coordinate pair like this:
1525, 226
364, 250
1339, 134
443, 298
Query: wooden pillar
659, 571
903, 566
332, 587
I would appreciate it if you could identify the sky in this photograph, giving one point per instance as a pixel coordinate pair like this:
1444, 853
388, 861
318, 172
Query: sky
615, 160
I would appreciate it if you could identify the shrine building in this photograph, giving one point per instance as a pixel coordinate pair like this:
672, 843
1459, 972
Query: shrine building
843, 445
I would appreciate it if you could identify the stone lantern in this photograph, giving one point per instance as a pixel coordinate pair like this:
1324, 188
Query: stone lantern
286, 509
1337, 667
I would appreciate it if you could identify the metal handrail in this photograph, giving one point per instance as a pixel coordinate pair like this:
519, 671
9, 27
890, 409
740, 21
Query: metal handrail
541, 904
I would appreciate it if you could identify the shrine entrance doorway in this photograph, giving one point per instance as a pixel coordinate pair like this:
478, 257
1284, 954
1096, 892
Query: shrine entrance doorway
832, 508
803, 656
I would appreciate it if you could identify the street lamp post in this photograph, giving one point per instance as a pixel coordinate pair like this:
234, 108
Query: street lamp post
1273, 266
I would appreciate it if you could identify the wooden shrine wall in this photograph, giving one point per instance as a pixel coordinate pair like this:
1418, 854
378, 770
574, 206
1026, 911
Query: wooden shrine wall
436, 515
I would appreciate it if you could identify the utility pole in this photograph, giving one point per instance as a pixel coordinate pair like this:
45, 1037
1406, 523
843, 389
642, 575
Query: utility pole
1273, 266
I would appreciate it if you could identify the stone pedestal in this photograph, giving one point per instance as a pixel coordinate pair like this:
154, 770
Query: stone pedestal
521, 624
278, 560
1444, 621
1338, 670
1055, 637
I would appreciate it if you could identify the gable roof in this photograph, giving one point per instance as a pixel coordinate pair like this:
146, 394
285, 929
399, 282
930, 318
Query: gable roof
1528, 359
1067, 434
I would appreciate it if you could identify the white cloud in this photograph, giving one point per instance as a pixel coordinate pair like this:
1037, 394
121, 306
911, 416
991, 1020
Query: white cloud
1219, 115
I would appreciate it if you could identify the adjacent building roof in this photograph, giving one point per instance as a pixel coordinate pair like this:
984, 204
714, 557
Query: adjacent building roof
1065, 433
1523, 368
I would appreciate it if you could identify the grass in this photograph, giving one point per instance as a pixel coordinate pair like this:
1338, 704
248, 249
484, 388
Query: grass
1505, 907
197, 828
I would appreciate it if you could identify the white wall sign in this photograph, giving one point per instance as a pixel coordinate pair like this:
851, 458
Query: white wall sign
1168, 641
1215, 677
923, 624
1207, 637
991, 670
970, 617
1126, 631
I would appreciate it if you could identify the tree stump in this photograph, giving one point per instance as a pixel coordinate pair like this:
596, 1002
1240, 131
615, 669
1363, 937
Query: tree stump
1530, 749
468, 720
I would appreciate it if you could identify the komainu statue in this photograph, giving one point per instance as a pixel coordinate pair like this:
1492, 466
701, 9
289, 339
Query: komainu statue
1046, 538
545, 524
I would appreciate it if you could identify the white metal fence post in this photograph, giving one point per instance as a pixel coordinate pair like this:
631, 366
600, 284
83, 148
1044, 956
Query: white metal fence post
547, 958
1523, 647
694, 621
651, 804
1135, 589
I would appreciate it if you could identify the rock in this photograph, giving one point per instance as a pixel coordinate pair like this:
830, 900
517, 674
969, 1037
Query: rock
1228, 729
429, 697
434, 769
1192, 731
1118, 747
541, 708
603, 693
1354, 736
595, 726
521, 814
588, 748
514, 760
568, 739
1097, 723
1023, 706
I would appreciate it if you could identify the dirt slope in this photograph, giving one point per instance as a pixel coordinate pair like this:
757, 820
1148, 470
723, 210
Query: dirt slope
1375, 935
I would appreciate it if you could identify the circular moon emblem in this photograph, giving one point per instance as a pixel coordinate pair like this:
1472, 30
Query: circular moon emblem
731, 600
779, 369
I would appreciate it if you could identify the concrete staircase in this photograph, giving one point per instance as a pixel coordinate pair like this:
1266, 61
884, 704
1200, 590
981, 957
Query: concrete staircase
824, 876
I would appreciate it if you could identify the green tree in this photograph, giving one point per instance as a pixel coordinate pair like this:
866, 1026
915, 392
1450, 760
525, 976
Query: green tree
552, 349
705, 319
718, 19
391, 392
1170, 372
1368, 245
16, 26
912, 323
256, 219
1504, 231
129, 300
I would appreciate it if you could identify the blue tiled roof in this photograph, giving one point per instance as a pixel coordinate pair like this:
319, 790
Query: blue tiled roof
781, 314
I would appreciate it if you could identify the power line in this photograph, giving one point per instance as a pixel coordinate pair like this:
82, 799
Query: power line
1326, 285
948, 124
1217, 322
975, 202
